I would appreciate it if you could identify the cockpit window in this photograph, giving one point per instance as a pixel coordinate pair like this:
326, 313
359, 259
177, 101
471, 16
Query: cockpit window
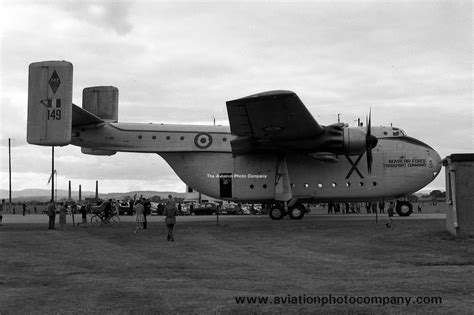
398, 132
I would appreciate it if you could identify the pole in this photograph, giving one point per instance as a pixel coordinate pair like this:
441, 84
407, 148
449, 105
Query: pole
80, 193
9, 175
69, 192
52, 173
96, 190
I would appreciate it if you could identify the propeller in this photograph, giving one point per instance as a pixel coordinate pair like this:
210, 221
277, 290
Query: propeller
370, 143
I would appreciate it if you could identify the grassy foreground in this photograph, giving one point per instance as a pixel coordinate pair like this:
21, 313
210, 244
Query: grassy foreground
113, 270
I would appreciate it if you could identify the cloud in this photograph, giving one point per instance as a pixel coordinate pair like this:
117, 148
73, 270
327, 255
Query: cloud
106, 14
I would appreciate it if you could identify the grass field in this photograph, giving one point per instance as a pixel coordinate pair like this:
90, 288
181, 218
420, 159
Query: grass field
113, 270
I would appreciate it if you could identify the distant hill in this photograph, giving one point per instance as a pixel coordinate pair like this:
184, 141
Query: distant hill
45, 194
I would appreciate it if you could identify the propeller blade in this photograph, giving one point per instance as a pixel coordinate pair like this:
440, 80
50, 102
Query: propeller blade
370, 142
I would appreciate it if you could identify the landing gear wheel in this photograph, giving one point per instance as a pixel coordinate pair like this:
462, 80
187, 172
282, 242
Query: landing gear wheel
404, 208
276, 213
297, 212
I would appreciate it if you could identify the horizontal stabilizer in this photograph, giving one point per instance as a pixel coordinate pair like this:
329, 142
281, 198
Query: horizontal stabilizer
81, 117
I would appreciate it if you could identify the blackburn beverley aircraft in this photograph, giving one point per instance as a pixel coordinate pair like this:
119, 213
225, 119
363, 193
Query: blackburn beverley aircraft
274, 152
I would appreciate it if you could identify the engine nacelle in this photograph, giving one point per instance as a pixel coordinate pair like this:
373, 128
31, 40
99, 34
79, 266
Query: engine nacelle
354, 141
101, 101
97, 152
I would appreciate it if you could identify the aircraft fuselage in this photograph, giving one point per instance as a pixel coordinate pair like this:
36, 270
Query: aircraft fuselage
202, 157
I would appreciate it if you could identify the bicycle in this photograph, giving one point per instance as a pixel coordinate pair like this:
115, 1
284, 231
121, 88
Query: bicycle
99, 219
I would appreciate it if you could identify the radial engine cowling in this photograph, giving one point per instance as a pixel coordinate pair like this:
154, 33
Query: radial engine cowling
101, 101
354, 141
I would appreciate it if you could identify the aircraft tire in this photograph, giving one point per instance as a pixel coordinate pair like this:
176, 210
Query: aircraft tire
297, 212
404, 208
276, 213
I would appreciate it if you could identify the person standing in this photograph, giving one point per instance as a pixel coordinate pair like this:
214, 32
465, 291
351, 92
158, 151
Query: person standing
382, 206
2, 206
146, 211
62, 216
170, 213
84, 215
51, 212
390, 212
139, 215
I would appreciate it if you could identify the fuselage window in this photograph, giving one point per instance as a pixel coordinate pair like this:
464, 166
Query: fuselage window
306, 185
264, 186
182, 138
292, 184
224, 139
361, 184
333, 184
153, 137
251, 186
320, 185
348, 184
140, 136
374, 183
168, 137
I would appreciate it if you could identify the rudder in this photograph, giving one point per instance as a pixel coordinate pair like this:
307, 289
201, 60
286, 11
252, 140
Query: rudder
50, 103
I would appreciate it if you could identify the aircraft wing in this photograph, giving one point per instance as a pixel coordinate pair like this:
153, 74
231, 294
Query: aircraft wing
81, 117
263, 120
273, 114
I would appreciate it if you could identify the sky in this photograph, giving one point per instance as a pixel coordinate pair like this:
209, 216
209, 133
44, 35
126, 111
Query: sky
410, 62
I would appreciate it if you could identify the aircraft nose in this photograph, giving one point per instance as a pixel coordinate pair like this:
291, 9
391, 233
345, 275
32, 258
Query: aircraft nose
434, 162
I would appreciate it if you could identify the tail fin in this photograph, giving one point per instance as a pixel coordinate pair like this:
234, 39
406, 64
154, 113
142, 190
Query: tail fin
49, 103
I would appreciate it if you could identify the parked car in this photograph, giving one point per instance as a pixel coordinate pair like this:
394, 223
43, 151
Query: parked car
231, 208
206, 208
123, 208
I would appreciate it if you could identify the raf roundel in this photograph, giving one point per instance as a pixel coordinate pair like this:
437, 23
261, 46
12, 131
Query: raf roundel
203, 140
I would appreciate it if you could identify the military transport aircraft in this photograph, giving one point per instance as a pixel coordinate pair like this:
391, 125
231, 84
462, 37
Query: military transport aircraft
275, 152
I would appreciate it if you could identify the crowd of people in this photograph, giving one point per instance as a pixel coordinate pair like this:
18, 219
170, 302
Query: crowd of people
141, 208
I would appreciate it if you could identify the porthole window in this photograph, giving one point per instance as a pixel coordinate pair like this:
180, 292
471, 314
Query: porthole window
168, 137
320, 185
385, 133
306, 185
374, 183
224, 139
264, 186
292, 184
333, 184
140, 136
348, 184
251, 186
361, 184
153, 137
182, 138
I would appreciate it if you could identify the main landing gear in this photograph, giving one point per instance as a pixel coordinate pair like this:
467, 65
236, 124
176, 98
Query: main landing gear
277, 211
404, 208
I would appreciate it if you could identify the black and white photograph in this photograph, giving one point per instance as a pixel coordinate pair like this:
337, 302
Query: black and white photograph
242, 157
